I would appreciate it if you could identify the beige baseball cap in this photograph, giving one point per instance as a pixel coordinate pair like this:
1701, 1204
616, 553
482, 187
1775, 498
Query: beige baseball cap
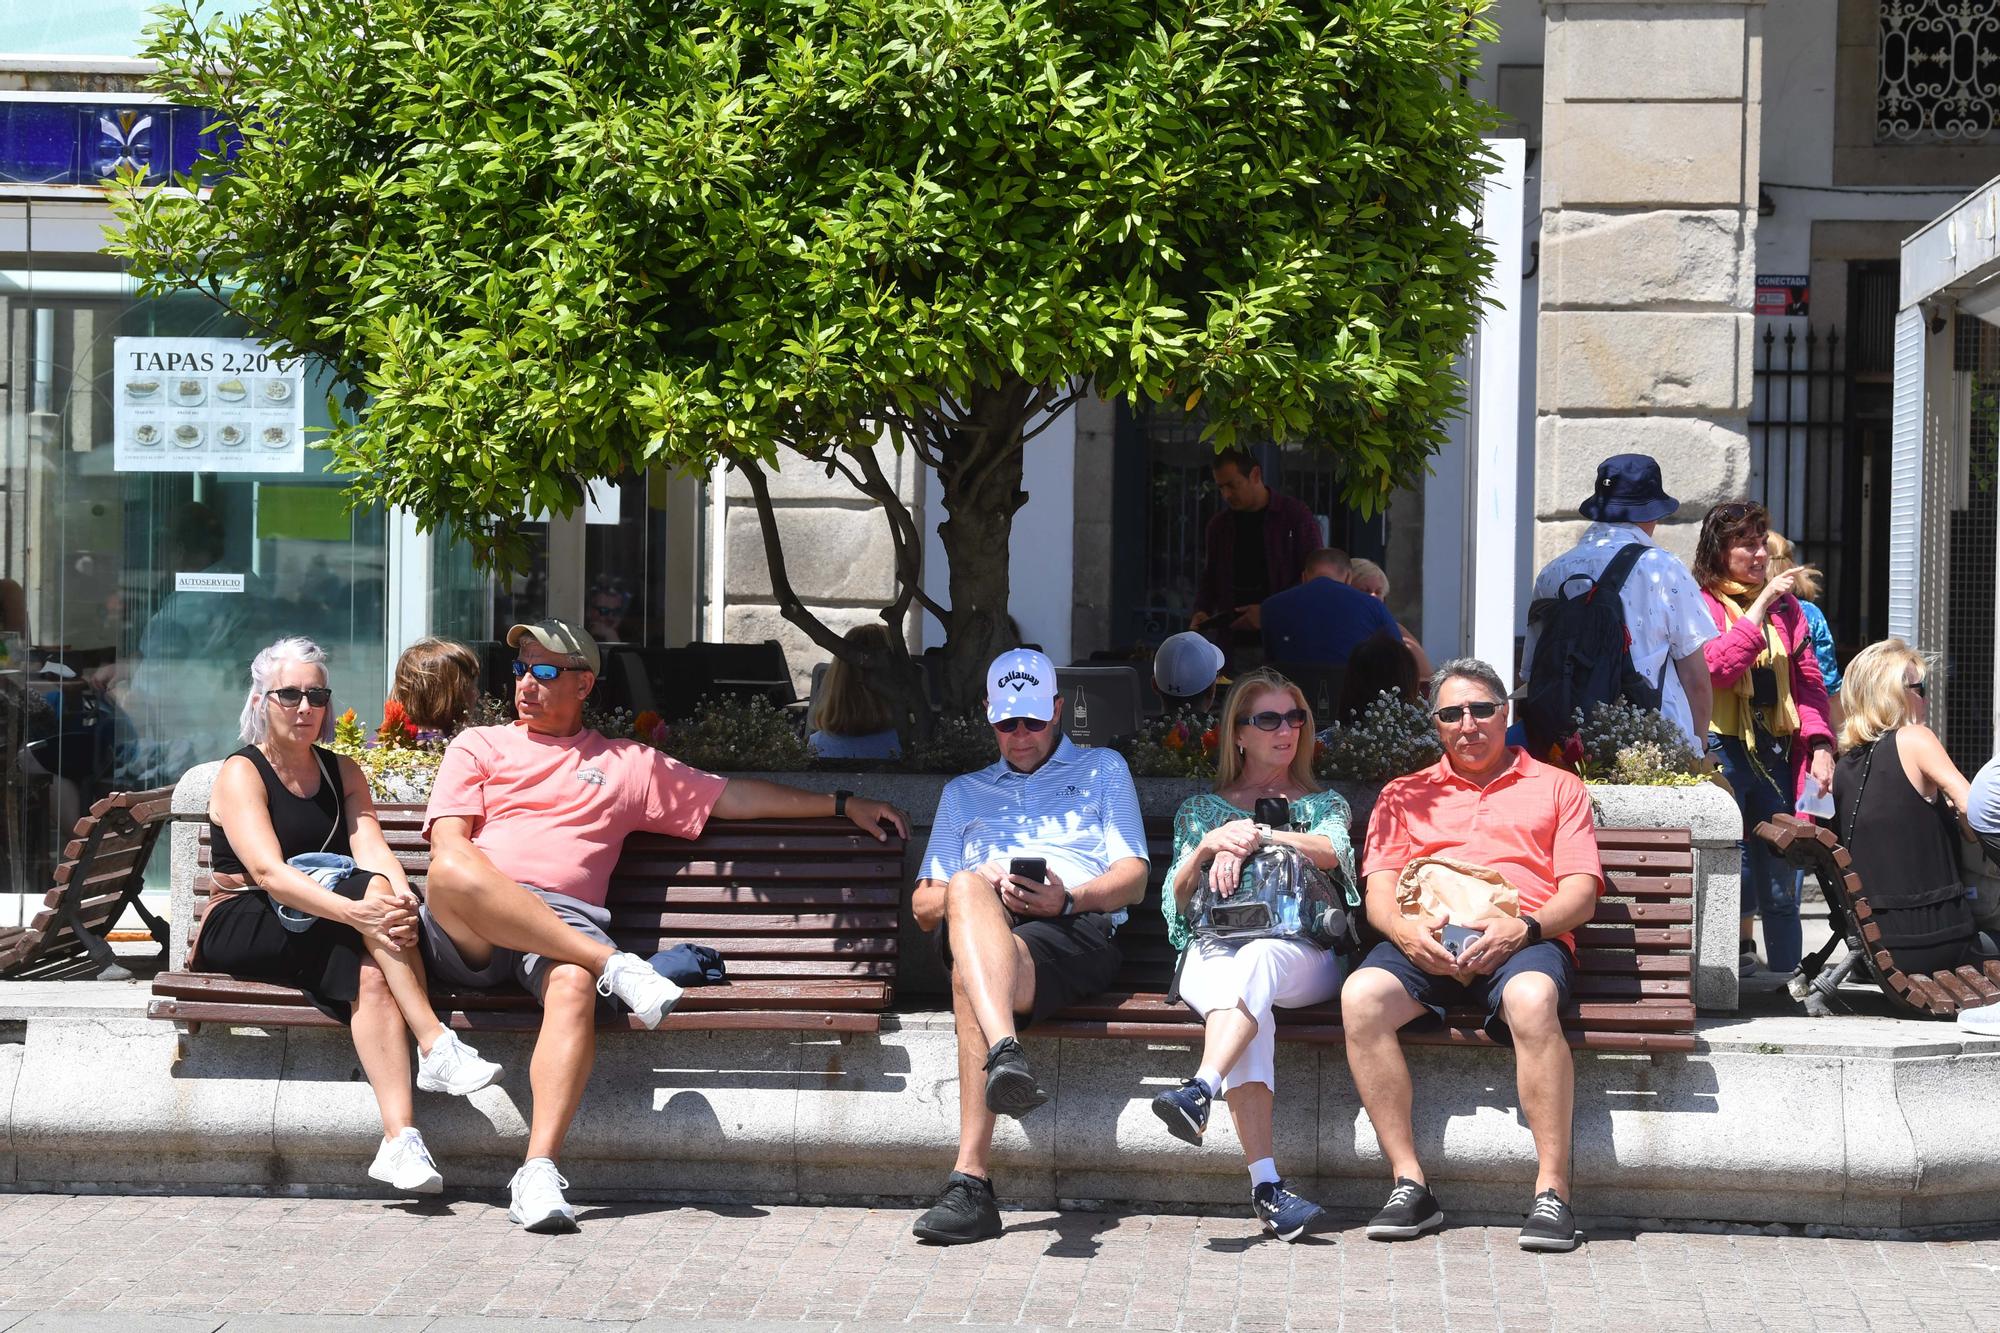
558, 636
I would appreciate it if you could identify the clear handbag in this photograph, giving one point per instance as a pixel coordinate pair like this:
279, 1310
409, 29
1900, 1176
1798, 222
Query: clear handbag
1280, 895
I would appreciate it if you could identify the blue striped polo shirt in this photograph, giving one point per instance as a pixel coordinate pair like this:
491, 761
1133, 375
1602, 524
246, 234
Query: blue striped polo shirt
1079, 812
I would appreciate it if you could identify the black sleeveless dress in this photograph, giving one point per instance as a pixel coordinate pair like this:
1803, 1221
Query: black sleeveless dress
1905, 849
242, 936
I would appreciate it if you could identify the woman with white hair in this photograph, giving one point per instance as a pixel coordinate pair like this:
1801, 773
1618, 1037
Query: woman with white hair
1896, 794
307, 893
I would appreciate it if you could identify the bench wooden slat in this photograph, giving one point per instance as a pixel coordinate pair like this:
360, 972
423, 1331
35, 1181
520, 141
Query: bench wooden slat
102, 873
760, 994
506, 1020
1631, 884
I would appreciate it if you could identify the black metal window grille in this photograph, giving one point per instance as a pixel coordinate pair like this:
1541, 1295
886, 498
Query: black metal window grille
1801, 468
1969, 616
1939, 72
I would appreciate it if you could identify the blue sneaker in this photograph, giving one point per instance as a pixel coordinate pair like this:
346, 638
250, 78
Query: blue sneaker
1184, 1110
1286, 1214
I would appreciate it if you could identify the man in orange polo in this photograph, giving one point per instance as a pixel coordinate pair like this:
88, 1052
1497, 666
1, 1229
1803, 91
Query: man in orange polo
1491, 805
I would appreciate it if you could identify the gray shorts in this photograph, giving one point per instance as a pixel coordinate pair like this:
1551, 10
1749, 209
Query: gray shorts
529, 971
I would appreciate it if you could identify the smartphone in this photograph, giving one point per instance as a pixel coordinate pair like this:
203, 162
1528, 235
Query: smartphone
1457, 938
1029, 867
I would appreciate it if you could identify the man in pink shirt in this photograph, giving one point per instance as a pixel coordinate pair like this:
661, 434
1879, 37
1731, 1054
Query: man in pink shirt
1491, 805
525, 824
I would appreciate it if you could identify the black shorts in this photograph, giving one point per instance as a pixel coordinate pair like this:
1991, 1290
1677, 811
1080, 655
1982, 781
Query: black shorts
1438, 994
1074, 956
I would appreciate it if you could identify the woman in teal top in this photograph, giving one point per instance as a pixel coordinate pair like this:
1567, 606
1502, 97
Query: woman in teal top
1265, 750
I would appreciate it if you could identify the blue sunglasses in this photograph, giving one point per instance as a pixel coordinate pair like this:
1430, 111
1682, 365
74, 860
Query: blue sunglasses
546, 672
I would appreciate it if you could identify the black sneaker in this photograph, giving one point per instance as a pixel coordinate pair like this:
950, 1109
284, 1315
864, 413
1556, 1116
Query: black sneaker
964, 1212
1550, 1226
1010, 1085
1286, 1214
1411, 1211
1184, 1110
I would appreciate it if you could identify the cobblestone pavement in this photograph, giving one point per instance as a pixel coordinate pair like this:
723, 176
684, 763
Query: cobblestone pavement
137, 1263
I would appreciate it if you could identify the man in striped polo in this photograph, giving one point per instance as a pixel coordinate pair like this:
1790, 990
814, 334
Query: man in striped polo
1021, 947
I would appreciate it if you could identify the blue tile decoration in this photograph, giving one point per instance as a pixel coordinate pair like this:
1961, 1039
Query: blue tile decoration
85, 143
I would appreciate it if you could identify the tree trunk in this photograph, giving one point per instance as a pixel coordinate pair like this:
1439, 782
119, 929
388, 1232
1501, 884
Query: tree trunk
981, 479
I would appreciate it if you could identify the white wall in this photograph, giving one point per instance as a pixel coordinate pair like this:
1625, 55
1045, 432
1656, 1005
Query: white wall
1043, 545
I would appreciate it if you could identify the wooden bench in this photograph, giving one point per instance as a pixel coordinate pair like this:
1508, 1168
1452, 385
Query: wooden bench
103, 871
1923, 995
1635, 963
802, 911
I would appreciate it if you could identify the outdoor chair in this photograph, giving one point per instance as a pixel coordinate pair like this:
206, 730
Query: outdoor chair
747, 670
103, 871
1918, 995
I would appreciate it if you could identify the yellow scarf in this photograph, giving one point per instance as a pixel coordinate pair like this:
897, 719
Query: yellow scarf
1734, 713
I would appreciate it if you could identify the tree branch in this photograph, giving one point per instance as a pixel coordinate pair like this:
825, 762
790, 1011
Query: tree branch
789, 604
1054, 409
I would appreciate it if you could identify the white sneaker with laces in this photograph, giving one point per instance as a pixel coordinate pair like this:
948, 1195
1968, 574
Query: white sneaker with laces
404, 1163
452, 1066
537, 1200
645, 992
1985, 1020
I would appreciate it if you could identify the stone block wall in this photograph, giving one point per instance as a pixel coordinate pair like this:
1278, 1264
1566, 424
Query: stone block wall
1649, 193
837, 552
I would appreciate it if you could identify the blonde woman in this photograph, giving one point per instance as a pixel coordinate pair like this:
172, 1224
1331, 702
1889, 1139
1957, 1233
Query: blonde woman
1265, 749
849, 720
1371, 578
1896, 794
437, 683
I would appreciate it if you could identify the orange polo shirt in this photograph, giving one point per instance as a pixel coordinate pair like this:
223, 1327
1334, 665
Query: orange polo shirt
1532, 824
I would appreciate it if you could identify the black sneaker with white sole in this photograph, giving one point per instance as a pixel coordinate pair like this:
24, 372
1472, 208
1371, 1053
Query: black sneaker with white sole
1011, 1088
965, 1212
1551, 1227
1411, 1211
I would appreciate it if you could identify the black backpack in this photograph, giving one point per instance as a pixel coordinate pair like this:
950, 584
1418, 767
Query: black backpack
1583, 656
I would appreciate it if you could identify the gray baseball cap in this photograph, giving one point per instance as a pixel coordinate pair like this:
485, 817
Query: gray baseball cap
558, 636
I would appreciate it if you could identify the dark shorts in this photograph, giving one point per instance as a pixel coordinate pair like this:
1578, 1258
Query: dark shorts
1438, 994
508, 967
242, 936
1075, 957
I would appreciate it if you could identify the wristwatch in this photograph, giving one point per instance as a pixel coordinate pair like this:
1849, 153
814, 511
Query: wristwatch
1264, 835
1534, 929
840, 803
1069, 903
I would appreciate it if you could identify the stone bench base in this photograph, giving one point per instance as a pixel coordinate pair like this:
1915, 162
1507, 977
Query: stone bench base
1849, 1122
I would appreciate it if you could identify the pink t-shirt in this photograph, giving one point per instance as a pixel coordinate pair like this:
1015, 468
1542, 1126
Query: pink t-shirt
553, 811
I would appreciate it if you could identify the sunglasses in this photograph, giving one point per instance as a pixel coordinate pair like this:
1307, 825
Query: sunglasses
1737, 511
1269, 721
292, 696
545, 672
1451, 714
1923, 690
1007, 726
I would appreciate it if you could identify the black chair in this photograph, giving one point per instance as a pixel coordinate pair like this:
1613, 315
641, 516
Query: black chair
1321, 684
1100, 703
675, 679
747, 670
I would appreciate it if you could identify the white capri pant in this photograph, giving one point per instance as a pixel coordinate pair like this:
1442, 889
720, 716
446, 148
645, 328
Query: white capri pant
1260, 975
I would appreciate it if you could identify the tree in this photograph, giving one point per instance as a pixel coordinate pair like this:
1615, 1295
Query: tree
550, 240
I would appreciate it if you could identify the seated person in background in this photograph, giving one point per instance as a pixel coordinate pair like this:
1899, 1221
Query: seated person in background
1490, 805
1020, 948
526, 822
352, 947
604, 615
1380, 664
437, 683
1322, 619
849, 720
1185, 671
1372, 579
1266, 751
1891, 786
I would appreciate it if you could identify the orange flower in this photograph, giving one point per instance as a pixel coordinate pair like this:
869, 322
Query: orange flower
1210, 739
396, 726
1173, 740
644, 725
347, 718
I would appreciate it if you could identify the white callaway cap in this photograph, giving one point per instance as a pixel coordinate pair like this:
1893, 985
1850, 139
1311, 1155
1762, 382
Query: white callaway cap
1021, 684
1186, 665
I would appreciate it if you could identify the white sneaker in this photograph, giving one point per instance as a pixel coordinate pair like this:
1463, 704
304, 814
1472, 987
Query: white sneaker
405, 1164
645, 992
452, 1066
537, 1201
1985, 1020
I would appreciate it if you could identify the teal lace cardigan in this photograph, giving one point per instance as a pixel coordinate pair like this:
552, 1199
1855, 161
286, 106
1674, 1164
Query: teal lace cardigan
1323, 812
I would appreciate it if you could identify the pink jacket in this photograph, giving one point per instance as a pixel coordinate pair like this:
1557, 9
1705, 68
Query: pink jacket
1735, 651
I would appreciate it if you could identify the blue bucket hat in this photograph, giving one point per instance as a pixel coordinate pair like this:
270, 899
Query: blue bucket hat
1628, 490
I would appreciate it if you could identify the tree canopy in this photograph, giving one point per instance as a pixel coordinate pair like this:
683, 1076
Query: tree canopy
550, 240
